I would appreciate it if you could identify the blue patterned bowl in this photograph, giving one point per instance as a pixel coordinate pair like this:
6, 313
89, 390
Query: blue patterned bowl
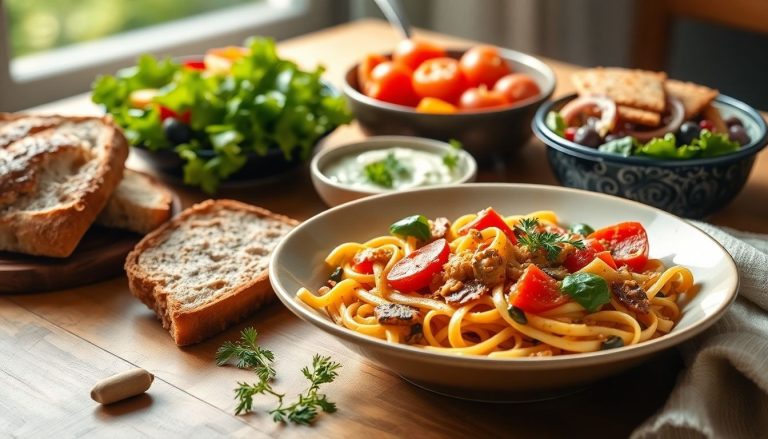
691, 188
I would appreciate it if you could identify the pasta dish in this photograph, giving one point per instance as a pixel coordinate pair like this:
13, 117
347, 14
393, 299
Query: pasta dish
505, 287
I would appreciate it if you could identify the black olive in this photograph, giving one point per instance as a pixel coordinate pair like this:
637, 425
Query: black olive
732, 121
738, 134
687, 132
176, 131
336, 275
517, 315
612, 342
588, 136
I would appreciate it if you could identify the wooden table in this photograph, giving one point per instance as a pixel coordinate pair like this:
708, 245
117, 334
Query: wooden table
55, 346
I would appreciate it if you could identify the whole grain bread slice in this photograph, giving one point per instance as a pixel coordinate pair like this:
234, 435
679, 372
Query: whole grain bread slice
639, 89
139, 204
206, 269
56, 175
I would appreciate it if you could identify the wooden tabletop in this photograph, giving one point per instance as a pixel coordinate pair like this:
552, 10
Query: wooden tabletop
55, 346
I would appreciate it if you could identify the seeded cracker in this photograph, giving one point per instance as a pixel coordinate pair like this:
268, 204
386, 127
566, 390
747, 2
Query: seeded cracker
632, 88
694, 97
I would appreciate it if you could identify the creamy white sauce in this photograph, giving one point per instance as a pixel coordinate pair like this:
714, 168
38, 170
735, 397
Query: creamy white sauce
424, 169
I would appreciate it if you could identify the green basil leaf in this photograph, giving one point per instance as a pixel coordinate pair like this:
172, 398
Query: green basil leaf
582, 229
414, 225
587, 289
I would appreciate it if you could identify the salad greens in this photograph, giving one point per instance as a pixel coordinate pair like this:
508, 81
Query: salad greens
556, 123
264, 103
708, 144
414, 225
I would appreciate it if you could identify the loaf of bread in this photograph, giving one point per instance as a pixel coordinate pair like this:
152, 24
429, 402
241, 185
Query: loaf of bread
56, 175
139, 204
206, 269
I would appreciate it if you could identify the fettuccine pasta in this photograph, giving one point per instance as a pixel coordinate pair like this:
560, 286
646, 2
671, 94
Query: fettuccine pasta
504, 287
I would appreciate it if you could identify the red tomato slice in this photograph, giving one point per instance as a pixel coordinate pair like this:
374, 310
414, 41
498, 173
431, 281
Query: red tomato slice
363, 266
627, 242
166, 113
537, 291
489, 218
579, 258
415, 271
195, 64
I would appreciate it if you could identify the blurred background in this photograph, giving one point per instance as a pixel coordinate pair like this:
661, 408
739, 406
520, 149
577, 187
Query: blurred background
52, 49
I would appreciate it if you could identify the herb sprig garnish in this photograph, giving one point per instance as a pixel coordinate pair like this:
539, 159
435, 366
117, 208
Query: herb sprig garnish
247, 354
551, 243
384, 172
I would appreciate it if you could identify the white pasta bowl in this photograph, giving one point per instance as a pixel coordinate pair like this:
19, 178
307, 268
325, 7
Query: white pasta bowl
298, 261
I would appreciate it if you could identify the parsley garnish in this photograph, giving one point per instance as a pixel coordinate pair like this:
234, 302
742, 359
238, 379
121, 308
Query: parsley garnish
551, 243
247, 354
384, 172
451, 158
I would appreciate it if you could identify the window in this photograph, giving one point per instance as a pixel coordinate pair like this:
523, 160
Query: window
57, 50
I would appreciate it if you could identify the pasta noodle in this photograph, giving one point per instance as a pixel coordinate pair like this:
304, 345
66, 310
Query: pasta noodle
479, 294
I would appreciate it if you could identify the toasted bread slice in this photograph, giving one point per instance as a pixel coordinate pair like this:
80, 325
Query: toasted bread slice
56, 175
206, 269
632, 88
693, 96
139, 204
637, 116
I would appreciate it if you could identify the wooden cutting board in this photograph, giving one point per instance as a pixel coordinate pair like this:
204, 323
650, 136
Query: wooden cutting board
99, 256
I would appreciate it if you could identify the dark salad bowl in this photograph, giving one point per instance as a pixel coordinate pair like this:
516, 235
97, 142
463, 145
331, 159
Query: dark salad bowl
486, 134
692, 188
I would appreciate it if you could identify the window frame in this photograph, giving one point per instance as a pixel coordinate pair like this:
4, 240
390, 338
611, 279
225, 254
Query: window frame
40, 78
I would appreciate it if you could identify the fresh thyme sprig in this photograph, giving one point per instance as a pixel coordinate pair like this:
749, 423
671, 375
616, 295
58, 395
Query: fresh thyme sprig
551, 243
247, 354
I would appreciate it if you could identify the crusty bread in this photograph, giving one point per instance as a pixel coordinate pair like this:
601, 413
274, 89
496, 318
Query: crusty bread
206, 269
56, 175
139, 204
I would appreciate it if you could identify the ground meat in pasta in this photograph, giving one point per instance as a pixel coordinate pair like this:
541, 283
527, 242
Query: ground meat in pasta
630, 294
439, 227
376, 255
488, 267
459, 267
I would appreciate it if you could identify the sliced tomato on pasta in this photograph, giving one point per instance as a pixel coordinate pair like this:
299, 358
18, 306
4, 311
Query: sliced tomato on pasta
581, 257
627, 242
489, 218
536, 291
415, 271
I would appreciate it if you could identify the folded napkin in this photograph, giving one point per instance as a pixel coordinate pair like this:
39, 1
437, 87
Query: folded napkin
723, 391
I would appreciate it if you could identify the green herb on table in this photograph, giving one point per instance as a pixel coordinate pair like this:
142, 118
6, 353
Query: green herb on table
414, 225
451, 158
247, 354
551, 243
384, 172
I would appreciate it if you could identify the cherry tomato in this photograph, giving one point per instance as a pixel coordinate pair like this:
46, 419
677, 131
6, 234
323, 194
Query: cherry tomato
435, 106
481, 98
194, 64
365, 68
482, 65
516, 87
167, 113
706, 124
391, 82
627, 242
536, 291
415, 271
439, 78
362, 265
412, 52
579, 258
489, 218
570, 133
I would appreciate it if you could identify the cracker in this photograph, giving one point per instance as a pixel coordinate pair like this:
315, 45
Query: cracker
638, 116
640, 89
693, 96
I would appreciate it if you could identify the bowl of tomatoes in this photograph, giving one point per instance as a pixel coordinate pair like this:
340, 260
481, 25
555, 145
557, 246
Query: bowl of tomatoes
485, 97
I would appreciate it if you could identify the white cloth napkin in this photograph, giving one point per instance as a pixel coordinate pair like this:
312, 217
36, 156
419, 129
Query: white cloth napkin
723, 391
